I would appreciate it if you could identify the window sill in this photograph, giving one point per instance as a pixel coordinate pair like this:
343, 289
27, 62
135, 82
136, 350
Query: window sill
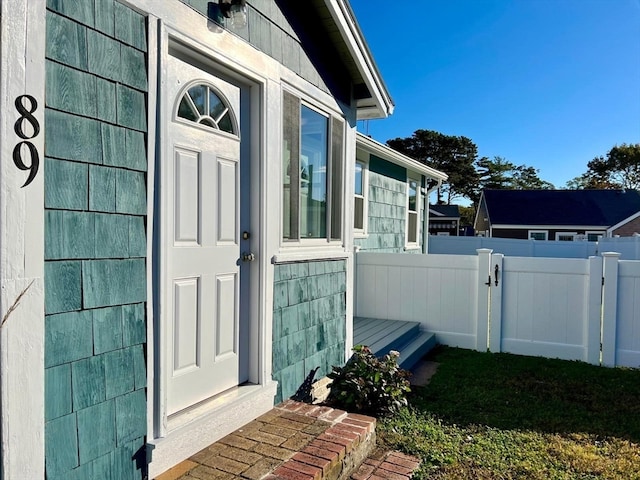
360, 235
300, 255
412, 247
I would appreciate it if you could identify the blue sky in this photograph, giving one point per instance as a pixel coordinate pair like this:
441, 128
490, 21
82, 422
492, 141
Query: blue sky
545, 83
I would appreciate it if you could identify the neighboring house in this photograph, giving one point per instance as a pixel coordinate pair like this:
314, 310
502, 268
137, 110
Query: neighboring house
566, 215
181, 252
444, 220
390, 195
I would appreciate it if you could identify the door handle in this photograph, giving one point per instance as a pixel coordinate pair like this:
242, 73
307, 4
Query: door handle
248, 257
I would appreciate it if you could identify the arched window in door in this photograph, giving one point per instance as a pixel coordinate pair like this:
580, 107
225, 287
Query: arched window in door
204, 105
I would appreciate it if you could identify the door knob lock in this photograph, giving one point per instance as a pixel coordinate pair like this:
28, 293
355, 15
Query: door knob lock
248, 257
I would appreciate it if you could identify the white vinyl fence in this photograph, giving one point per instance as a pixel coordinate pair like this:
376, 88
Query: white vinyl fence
628, 247
575, 309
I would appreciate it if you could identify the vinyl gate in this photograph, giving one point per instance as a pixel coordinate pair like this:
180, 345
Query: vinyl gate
575, 309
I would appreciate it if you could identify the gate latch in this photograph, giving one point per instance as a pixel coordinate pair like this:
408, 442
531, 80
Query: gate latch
496, 271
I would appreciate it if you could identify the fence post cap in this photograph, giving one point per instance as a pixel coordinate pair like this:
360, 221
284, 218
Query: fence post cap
484, 250
610, 254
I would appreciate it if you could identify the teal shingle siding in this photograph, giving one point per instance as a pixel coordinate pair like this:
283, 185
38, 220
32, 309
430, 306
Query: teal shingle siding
309, 321
387, 209
95, 240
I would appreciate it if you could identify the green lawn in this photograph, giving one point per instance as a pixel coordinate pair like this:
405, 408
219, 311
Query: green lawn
501, 416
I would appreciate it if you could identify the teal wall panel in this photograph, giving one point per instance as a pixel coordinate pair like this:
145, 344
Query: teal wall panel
57, 388
113, 282
387, 209
96, 431
80, 10
107, 329
65, 185
104, 55
61, 444
70, 90
95, 240
62, 286
106, 98
309, 321
88, 382
66, 41
105, 16
68, 337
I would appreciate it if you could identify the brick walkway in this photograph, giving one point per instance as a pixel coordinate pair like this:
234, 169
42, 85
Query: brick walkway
297, 441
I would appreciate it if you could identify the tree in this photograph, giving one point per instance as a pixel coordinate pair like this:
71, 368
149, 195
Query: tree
452, 155
501, 174
619, 169
467, 215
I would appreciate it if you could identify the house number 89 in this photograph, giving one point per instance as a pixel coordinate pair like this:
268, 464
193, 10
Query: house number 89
26, 106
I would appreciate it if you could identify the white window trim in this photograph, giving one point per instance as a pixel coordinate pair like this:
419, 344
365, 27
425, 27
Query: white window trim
546, 234
599, 233
560, 234
289, 247
364, 231
418, 179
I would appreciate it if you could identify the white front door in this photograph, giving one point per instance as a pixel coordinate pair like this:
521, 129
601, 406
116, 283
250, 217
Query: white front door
200, 187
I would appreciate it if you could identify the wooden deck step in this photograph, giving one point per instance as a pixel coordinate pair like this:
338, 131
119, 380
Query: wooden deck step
381, 336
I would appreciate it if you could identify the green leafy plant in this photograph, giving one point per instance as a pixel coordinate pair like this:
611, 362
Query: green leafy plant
368, 384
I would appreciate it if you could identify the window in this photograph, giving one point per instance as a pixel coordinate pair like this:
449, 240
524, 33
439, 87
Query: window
360, 199
203, 105
312, 172
413, 210
566, 236
594, 236
537, 234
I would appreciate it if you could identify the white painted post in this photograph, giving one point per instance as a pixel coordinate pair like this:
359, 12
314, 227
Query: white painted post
482, 316
609, 308
22, 87
593, 320
495, 308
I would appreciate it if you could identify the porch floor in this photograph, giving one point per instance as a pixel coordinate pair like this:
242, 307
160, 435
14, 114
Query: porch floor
298, 441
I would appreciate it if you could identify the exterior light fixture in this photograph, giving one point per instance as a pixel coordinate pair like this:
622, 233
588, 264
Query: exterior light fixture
235, 11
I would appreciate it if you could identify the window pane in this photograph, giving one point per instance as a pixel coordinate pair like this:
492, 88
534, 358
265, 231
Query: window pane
199, 94
291, 166
412, 236
225, 124
358, 220
186, 111
413, 188
313, 174
359, 186
538, 236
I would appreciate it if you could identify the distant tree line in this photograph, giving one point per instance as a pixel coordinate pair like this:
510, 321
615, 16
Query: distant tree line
457, 156
468, 174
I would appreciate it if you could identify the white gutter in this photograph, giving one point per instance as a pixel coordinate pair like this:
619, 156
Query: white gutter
346, 23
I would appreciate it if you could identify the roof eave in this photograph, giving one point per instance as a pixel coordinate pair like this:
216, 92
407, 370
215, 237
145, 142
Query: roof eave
380, 104
388, 153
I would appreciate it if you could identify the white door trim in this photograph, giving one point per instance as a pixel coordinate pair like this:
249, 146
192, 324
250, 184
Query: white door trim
22, 43
175, 441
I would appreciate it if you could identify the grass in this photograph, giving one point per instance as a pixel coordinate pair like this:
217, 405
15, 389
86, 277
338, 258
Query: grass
501, 416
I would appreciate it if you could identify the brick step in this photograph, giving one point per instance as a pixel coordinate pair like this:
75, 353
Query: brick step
297, 441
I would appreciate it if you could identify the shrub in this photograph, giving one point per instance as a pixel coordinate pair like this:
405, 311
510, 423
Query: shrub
371, 385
